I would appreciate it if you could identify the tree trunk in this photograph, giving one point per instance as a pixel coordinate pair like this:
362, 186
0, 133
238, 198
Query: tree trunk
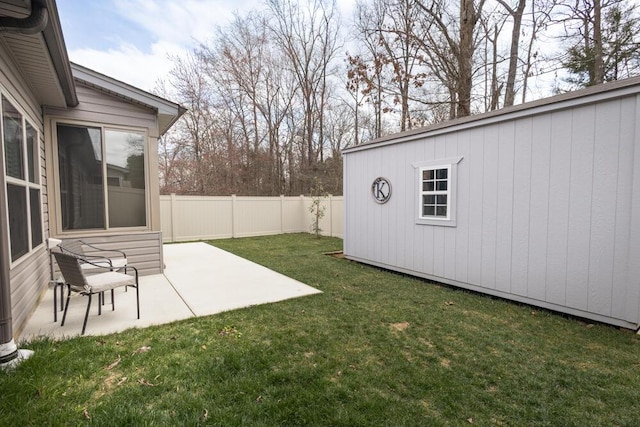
598, 63
467, 24
510, 93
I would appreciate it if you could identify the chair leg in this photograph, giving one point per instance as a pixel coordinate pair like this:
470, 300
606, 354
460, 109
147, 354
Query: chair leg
138, 294
66, 305
113, 301
61, 295
100, 302
55, 302
138, 299
86, 316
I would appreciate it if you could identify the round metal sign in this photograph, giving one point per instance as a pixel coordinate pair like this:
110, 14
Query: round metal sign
381, 190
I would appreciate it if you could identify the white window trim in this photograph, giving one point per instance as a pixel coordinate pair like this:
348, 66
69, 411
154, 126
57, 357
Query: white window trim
24, 183
56, 178
451, 164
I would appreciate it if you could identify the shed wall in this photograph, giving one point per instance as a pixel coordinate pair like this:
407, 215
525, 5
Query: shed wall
546, 209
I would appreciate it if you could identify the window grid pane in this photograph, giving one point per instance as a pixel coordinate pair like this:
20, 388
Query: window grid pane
18, 228
435, 187
12, 135
36, 220
81, 177
32, 153
126, 187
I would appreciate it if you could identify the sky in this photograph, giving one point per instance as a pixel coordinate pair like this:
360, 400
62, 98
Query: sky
132, 40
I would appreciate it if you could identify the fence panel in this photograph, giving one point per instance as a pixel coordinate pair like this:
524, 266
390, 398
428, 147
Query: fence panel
186, 218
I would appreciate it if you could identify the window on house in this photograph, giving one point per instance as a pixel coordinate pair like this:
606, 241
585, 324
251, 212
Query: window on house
102, 178
21, 154
436, 191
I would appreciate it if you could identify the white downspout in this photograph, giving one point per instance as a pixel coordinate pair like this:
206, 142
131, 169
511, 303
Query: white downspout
11, 356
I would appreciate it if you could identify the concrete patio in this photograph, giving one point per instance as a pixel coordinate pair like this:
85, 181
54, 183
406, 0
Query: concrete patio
199, 280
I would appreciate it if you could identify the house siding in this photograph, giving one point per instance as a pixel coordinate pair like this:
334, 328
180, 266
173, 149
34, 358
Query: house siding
29, 275
546, 208
29, 280
96, 106
110, 110
143, 247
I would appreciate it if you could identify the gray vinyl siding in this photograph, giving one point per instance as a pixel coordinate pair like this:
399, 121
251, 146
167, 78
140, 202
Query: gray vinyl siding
546, 208
96, 106
111, 110
13, 82
29, 279
143, 249
29, 275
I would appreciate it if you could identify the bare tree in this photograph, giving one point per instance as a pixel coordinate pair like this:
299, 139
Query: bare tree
190, 82
308, 39
365, 72
516, 13
454, 51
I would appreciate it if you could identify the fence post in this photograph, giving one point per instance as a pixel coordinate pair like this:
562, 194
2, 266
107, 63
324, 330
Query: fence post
282, 214
305, 229
172, 203
233, 215
330, 215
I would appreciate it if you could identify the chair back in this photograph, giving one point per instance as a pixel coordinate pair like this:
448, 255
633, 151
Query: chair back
71, 271
74, 247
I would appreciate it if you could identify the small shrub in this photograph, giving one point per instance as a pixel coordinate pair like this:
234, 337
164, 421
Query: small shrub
317, 209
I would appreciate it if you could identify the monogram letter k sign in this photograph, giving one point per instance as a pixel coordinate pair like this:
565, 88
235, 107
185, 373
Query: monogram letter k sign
381, 190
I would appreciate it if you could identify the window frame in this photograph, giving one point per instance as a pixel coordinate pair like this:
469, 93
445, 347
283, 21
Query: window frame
56, 178
451, 165
25, 182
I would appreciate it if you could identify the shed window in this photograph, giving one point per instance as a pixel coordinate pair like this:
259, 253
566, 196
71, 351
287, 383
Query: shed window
435, 192
436, 195
21, 162
102, 178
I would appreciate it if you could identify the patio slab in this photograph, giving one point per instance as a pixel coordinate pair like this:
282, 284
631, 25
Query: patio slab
199, 280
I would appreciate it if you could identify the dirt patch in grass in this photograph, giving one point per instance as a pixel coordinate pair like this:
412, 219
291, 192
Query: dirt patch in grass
335, 254
399, 327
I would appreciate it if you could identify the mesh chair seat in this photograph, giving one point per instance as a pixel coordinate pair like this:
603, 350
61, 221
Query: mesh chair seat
106, 281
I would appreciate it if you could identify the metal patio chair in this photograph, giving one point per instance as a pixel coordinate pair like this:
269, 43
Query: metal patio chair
88, 285
112, 258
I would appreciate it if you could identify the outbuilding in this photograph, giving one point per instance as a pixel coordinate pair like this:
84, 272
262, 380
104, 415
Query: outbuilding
537, 203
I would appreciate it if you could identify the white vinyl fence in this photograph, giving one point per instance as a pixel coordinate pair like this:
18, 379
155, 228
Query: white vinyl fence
205, 217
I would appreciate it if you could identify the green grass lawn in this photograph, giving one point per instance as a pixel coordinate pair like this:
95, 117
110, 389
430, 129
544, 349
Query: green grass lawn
374, 349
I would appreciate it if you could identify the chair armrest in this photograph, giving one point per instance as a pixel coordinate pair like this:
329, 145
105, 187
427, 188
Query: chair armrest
100, 264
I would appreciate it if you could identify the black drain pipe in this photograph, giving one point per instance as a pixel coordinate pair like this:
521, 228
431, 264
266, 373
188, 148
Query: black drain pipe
9, 353
32, 24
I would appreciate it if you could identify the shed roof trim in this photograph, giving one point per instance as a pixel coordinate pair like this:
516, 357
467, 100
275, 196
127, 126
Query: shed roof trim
583, 96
